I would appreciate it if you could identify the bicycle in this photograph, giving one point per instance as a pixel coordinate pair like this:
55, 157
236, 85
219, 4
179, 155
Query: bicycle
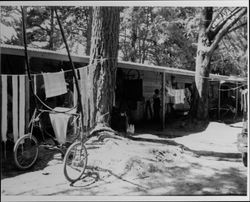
26, 148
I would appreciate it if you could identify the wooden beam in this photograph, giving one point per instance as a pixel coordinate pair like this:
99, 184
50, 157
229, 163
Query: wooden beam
236, 98
46, 54
219, 101
55, 55
163, 99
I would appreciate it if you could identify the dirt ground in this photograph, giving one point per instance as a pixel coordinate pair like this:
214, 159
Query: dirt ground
178, 163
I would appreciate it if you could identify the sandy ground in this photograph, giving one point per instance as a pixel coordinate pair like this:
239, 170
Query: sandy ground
198, 164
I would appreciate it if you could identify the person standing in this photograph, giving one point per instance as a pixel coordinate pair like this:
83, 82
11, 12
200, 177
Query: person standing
156, 105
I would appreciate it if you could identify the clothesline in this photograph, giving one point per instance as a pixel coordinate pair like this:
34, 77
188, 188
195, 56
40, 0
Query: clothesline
65, 71
235, 88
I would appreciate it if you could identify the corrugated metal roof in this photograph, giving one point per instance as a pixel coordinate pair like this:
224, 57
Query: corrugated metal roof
57, 55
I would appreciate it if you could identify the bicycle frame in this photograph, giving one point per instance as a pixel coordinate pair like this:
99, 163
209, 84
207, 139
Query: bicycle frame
36, 118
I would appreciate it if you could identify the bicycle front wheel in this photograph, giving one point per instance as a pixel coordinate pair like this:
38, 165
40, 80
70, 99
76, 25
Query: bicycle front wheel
75, 161
25, 152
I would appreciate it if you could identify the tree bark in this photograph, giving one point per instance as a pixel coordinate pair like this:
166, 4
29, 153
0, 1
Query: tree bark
51, 43
199, 108
134, 36
207, 43
103, 64
89, 28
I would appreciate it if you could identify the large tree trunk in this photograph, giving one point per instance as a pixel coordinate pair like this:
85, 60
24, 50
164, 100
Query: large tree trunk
89, 28
103, 64
199, 108
134, 36
51, 40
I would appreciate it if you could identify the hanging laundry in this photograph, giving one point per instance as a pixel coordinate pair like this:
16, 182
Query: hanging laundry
54, 84
35, 84
170, 95
170, 91
59, 123
244, 100
21, 105
15, 107
84, 87
176, 96
182, 95
4, 106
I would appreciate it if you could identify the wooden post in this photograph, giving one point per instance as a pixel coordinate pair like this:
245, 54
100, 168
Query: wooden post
219, 101
27, 101
163, 99
236, 98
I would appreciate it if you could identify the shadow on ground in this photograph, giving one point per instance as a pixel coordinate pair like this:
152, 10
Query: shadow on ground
9, 169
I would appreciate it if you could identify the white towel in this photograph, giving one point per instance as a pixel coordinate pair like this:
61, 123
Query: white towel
59, 123
54, 84
84, 93
21, 105
15, 106
170, 91
4, 118
35, 88
179, 96
182, 96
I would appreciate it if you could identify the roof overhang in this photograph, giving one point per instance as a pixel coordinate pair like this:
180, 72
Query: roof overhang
56, 55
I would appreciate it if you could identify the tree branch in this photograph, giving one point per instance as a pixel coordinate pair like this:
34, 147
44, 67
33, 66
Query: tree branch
211, 24
237, 27
225, 29
221, 25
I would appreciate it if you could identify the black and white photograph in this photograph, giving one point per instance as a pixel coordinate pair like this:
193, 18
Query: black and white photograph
124, 100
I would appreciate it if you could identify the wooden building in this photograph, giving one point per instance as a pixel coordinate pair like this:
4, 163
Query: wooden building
146, 78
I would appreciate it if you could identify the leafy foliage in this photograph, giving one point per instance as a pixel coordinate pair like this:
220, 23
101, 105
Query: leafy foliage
165, 36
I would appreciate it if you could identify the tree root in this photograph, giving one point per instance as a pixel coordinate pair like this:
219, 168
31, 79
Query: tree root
103, 131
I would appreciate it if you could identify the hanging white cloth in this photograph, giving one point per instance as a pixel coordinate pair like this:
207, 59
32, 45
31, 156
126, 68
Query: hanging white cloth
15, 107
244, 100
35, 85
21, 105
170, 91
54, 84
84, 92
59, 123
4, 105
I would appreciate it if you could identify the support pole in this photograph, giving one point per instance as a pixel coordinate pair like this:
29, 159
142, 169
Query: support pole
27, 64
73, 68
236, 98
219, 101
163, 99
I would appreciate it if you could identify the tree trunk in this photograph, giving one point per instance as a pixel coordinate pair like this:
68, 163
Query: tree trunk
199, 108
89, 27
134, 36
51, 43
103, 64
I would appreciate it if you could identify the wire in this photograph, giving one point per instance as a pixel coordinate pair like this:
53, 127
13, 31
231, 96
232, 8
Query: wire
232, 88
66, 71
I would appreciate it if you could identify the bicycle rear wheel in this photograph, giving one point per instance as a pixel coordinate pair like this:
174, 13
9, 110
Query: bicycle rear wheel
25, 152
75, 161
